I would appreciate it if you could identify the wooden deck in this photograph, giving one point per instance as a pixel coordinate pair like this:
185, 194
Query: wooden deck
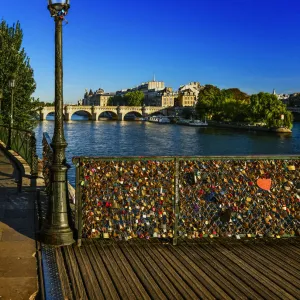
101, 269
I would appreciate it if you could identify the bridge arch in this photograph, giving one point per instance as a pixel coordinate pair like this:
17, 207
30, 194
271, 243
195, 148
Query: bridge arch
111, 112
132, 113
79, 112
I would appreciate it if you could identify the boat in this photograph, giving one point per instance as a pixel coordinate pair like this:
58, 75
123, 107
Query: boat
159, 119
183, 122
198, 123
140, 119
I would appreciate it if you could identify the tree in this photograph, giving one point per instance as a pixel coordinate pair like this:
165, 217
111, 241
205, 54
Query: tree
134, 98
14, 62
237, 94
116, 100
265, 107
207, 101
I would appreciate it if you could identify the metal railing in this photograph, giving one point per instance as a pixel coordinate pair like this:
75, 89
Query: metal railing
187, 197
24, 143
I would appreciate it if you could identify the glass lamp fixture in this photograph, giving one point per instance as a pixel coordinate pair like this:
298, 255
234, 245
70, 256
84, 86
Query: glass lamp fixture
11, 83
56, 7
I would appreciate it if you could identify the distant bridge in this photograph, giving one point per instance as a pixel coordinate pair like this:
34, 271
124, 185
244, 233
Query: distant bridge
93, 112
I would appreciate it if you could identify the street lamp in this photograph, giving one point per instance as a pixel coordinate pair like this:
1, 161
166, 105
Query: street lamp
56, 230
11, 84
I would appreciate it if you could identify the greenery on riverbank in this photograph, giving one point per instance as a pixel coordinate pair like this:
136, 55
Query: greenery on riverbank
133, 98
14, 63
232, 105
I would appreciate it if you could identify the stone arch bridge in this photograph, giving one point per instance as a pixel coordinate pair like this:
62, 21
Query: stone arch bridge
119, 112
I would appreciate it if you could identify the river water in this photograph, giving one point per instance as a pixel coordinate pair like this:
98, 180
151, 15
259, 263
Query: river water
129, 138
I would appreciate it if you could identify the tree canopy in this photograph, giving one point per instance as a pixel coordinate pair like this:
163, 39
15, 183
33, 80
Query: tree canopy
235, 105
14, 63
134, 98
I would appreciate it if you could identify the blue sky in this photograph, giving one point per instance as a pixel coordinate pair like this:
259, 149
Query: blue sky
116, 44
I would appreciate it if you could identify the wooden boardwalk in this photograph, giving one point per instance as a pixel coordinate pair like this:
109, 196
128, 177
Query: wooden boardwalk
101, 269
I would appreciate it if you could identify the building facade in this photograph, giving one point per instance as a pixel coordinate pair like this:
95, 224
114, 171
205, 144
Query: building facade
98, 98
188, 94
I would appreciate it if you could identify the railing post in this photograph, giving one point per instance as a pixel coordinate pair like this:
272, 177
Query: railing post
176, 202
34, 157
78, 203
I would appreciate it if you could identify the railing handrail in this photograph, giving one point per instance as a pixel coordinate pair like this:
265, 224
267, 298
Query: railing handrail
208, 157
25, 147
19, 129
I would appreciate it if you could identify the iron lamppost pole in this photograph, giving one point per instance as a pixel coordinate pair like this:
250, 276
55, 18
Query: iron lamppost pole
11, 84
56, 230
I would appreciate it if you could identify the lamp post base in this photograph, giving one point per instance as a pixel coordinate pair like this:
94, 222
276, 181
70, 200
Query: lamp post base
56, 237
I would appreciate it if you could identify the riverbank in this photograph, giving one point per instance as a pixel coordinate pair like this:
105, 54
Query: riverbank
248, 127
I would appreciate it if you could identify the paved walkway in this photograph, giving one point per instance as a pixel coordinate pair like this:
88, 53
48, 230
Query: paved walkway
18, 264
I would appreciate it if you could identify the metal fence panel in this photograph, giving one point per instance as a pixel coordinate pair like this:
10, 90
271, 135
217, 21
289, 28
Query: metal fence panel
187, 197
124, 198
24, 143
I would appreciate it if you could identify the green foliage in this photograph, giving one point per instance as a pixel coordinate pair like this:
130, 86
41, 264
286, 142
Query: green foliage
116, 100
15, 63
235, 106
134, 98
236, 94
187, 112
266, 108
207, 100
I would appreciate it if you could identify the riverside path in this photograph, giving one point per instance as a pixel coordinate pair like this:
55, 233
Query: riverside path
18, 264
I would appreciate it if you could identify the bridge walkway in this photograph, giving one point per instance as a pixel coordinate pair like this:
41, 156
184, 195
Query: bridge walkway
18, 263
103, 269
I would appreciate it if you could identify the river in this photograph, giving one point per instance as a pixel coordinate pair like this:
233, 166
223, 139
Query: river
129, 138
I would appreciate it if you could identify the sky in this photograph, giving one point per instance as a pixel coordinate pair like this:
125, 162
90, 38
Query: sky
253, 45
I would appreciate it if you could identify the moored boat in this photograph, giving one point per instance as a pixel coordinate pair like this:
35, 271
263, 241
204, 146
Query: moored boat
159, 119
198, 123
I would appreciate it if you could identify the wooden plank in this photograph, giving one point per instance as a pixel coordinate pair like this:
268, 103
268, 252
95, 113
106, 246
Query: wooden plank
159, 274
251, 270
128, 273
74, 273
207, 275
240, 273
119, 280
268, 271
145, 277
65, 282
263, 257
103, 277
227, 272
90, 281
289, 251
182, 275
221, 278
280, 255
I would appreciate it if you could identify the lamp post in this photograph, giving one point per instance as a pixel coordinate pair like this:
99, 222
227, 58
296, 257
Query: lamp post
11, 84
56, 230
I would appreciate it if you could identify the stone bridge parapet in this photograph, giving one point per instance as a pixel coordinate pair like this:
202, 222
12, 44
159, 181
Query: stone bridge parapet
94, 112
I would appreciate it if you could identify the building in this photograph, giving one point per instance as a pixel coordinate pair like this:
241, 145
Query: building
98, 98
150, 90
188, 94
187, 97
164, 98
283, 97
